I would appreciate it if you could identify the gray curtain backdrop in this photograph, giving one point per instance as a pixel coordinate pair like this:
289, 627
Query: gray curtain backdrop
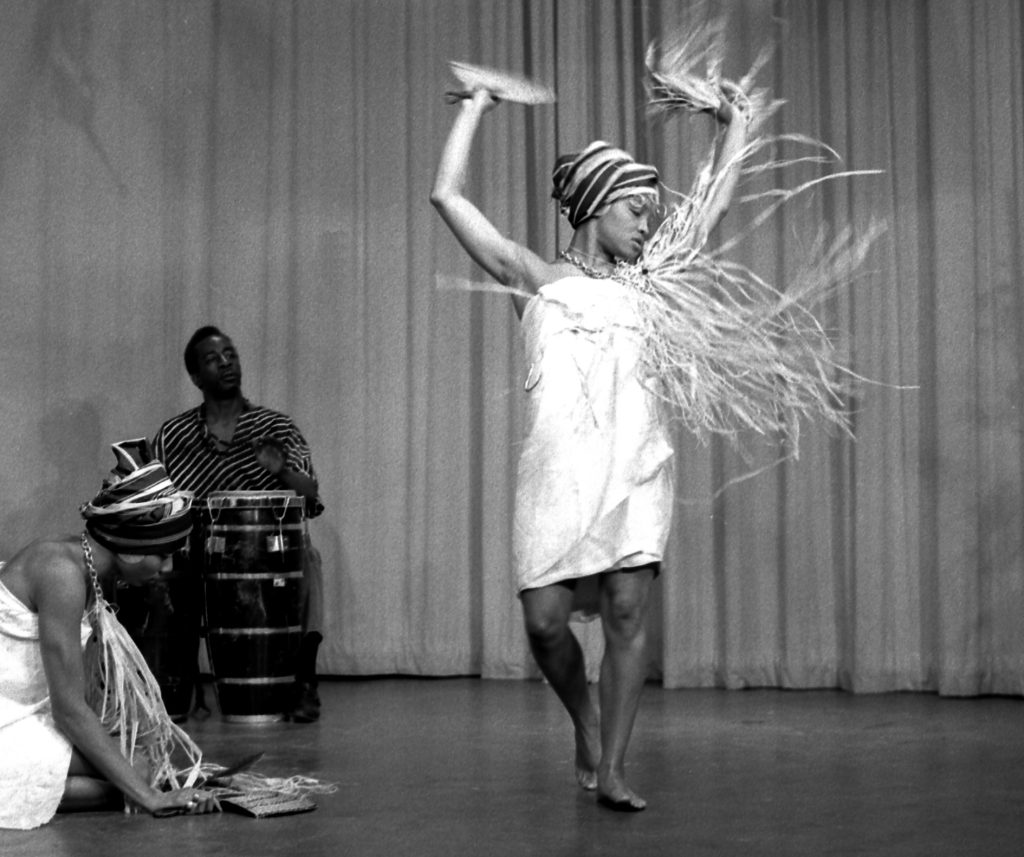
265, 166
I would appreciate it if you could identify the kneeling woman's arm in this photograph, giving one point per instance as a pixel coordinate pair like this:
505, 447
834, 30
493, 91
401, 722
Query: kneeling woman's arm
59, 592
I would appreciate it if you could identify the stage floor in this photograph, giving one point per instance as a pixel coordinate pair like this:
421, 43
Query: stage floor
470, 767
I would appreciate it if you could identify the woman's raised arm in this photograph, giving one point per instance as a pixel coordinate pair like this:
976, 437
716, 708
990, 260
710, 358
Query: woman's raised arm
727, 158
506, 261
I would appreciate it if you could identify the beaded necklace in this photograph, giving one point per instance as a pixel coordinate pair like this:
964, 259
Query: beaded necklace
99, 601
574, 259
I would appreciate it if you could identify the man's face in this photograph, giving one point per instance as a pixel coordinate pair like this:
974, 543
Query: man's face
220, 371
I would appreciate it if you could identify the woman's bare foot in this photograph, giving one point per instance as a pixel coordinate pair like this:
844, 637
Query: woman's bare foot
588, 753
613, 793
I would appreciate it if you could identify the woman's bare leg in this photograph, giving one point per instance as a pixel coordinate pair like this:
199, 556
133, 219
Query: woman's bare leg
558, 654
85, 788
624, 598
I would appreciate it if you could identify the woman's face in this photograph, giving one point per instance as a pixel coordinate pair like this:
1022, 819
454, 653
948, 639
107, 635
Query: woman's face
625, 225
136, 569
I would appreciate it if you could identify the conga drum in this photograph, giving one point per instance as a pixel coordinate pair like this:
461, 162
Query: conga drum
163, 616
252, 574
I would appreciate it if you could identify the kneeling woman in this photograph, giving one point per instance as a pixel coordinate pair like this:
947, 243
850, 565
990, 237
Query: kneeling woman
57, 662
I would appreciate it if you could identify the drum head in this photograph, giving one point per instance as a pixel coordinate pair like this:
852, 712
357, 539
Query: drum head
252, 499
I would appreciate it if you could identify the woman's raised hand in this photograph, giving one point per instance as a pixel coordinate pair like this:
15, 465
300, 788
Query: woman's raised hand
731, 96
483, 99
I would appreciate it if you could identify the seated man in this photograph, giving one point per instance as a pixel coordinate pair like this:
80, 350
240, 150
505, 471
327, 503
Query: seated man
229, 444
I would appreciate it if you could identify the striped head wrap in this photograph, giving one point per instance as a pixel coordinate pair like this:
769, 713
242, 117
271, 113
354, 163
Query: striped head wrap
598, 176
138, 510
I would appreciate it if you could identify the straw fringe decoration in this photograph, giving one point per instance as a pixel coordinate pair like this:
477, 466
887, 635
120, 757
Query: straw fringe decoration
685, 73
501, 84
731, 352
254, 784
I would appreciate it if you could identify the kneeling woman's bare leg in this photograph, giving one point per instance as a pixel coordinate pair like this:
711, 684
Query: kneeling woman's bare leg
624, 598
558, 654
85, 788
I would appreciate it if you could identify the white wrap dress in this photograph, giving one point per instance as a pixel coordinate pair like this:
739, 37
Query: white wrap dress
594, 490
34, 754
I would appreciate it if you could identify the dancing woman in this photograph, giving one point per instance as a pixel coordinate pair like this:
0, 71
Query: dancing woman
594, 492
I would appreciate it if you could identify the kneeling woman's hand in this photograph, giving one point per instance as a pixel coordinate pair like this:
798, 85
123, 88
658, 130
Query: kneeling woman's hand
183, 802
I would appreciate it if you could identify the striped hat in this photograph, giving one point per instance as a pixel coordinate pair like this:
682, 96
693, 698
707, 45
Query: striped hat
599, 175
138, 511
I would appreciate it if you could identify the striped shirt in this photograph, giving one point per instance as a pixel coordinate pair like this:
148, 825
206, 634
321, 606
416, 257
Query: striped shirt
196, 461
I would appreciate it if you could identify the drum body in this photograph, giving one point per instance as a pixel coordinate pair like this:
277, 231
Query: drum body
252, 573
163, 616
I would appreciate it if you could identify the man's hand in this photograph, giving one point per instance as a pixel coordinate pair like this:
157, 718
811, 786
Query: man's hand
270, 454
